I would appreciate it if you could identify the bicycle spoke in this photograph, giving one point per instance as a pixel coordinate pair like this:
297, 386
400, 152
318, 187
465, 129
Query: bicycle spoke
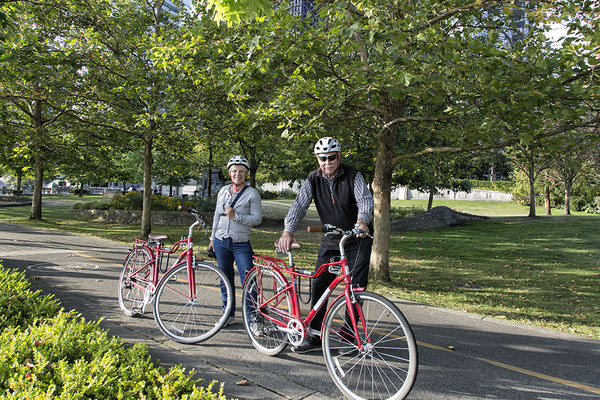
188, 320
263, 307
384, 365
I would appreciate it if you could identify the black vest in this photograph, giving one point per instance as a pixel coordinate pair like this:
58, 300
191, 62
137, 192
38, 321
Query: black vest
339, 207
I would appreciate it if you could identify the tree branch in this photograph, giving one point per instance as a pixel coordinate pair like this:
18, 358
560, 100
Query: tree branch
455, 11
506, 143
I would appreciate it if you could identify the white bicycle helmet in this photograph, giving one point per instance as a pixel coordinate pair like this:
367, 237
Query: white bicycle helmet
327, 145
238, 160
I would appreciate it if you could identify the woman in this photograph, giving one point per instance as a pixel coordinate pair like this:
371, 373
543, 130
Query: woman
238, 209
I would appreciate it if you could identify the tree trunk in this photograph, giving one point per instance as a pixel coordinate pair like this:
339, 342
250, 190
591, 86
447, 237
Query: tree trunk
568, 199
430, 201
147, 196
36, 203
382, 184
81, 189
531, 190
210, 163
124, 188
19, 182
547, 205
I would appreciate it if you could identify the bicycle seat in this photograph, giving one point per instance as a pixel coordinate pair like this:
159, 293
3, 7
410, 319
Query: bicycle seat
157, 237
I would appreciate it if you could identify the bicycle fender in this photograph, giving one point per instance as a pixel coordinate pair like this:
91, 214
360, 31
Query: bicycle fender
356, 289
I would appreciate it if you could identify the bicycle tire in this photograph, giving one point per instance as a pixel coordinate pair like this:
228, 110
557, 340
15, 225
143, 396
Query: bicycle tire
263, 333
387, 366
186, 320
136, 270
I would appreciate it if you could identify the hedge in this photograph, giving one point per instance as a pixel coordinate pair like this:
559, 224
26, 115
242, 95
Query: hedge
47, 353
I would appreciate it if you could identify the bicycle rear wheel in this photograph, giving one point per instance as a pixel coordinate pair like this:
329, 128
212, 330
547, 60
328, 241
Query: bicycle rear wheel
261, 285
386, 366
187, 319
135, 278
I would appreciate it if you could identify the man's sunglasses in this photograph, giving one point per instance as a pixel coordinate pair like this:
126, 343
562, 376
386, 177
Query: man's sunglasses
330, 157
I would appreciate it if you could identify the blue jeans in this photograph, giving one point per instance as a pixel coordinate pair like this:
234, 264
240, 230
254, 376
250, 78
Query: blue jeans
228, 251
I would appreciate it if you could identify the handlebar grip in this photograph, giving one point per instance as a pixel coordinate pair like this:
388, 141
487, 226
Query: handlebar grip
314, 228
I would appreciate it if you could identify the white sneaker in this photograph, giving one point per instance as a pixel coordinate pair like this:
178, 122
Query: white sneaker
230, 321
256, 329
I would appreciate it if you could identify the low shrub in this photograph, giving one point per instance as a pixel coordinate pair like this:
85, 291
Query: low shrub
46, 353
128, 201
403, 212
267, 195
165, 203
19, 305
287, 194
499, 186
134, 201
68, 357
593, 207
93, 205
16, 199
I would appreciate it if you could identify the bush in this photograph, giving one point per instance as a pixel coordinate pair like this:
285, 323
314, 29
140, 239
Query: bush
93, 205
500, 186
76, 191
403, 212
593, 207
134, 201
46, 354
268, 195
165, 203
19, 305
287, 194
128, 201
67, 357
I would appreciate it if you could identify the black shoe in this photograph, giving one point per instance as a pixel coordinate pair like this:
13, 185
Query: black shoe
308, 345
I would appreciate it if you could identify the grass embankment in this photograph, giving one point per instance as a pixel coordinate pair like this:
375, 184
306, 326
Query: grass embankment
543, 271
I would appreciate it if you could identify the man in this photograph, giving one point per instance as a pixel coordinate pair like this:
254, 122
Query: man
342, 199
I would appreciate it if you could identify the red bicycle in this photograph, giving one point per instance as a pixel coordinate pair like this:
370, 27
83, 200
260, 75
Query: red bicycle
188, 299
369, 347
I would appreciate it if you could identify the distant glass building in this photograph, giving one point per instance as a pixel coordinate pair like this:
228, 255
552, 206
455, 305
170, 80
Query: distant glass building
300, 8
518, 27
169, 6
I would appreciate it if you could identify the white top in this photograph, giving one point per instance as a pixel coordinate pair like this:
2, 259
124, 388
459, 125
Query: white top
248, 213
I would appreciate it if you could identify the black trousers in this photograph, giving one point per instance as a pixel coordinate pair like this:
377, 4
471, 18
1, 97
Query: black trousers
358, 253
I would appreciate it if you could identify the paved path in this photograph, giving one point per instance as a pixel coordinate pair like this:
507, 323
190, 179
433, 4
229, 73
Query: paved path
493, 359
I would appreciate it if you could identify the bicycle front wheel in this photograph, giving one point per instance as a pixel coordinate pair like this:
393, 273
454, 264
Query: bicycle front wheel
261, 285
385, 365
135, 278
188, 318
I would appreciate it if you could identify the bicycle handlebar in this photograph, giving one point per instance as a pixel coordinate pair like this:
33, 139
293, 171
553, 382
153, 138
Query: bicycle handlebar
187, 209
328, 228
195, 214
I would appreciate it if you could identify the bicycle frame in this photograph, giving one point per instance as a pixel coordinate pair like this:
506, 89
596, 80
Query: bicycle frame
156, 253
279, 266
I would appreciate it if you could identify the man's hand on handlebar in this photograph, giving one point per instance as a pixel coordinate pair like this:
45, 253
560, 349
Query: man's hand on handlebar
285, 242
362, 226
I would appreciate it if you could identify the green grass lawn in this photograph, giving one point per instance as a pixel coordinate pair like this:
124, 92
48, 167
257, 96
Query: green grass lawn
543, 271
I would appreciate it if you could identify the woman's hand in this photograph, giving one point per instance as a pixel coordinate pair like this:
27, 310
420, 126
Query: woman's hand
230, 212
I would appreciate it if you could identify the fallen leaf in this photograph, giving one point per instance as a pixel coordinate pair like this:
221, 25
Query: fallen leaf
243, 382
